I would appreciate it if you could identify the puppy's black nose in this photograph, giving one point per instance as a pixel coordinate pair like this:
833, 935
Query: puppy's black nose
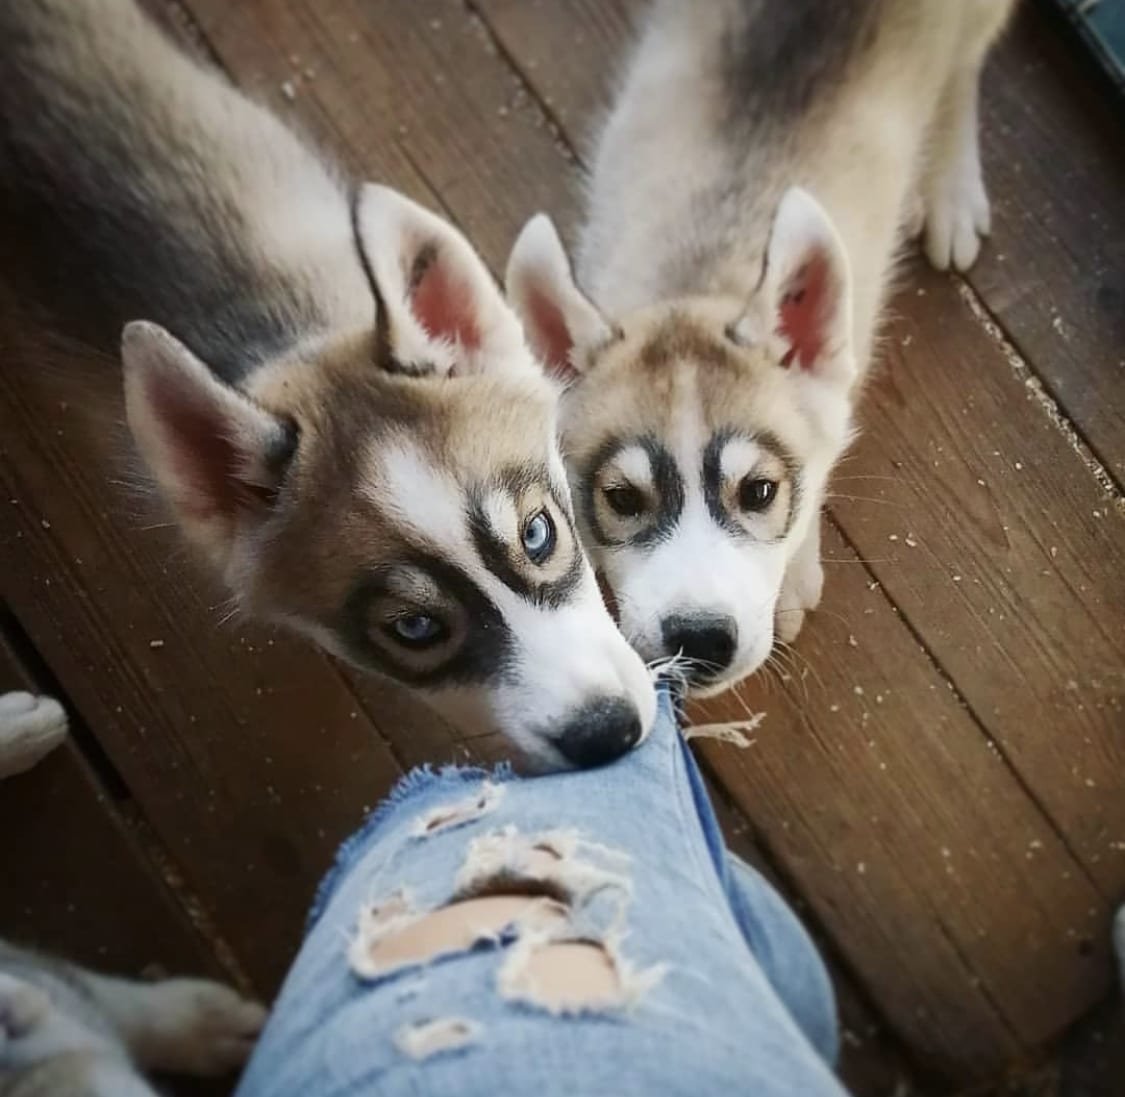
599, 732
709, 641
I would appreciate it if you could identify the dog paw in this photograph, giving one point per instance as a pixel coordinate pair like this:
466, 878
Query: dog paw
800, 592
199, 1027
30, 728
957, 216
23, 1008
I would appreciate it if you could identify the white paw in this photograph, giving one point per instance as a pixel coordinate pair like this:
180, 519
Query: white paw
30, 728
800, 592
958, 216
199, 1027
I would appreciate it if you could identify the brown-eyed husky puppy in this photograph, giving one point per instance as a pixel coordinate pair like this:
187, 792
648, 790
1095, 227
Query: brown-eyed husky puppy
327, 387
748, 193
67, 1032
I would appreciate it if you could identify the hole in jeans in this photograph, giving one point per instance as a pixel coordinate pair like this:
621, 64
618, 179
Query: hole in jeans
425, 1038
448, 816
569, 977
412, 941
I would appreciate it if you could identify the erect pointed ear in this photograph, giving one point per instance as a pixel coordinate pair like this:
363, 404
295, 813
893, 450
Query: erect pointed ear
440, 312
560, 321
806, 290
217, 457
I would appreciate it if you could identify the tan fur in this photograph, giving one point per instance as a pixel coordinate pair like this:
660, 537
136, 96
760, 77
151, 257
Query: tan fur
329, 530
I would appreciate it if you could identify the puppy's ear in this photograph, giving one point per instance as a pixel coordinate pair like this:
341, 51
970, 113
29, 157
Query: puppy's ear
217, 457
440, 312
806, 293
560, 321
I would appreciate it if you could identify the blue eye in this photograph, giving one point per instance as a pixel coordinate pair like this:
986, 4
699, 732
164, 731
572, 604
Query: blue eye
539, 537
417, 629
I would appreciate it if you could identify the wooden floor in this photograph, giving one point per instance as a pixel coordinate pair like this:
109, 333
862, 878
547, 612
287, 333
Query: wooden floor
940, 777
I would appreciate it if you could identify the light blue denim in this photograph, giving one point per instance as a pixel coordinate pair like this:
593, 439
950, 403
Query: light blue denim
735, 999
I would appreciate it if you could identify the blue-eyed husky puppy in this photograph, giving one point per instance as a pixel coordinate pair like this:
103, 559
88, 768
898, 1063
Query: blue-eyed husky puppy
327, 387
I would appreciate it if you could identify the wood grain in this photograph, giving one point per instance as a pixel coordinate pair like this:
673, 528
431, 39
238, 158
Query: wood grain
66, 849
1053, 273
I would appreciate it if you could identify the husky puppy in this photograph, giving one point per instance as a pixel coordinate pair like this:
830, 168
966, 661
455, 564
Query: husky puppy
66, 1032
325, 383
748, 193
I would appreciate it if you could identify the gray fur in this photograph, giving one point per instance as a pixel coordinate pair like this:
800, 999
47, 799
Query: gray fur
118, 195
61, 981
780, 57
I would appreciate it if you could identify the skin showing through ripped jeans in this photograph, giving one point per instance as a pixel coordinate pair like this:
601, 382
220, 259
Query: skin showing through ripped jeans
562, 975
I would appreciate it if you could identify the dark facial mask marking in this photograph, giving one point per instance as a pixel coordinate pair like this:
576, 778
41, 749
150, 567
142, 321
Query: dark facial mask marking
713, 478
496, 554
484, 653
667, 485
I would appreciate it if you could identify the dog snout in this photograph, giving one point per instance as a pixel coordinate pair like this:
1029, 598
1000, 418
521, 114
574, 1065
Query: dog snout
709, 641
599, 732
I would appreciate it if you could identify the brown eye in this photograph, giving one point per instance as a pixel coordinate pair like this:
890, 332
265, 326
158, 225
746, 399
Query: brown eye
756, 494
625, 500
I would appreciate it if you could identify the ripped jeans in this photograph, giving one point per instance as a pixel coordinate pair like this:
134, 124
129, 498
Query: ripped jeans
582, 934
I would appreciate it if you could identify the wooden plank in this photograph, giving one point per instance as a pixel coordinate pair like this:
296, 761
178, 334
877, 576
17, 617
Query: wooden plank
538, 36
1054, 271
990, 535
396, 81
919, 940
67, 851
872, 1062
247, 751
870, 784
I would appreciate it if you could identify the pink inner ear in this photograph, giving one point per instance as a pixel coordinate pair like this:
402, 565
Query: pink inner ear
202, 456
552, 337
804, 312
444, 305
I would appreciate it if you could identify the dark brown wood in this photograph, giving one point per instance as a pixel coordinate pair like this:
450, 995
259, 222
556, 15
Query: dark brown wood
989, 533
872, 1060
871, 787
1053, 273
76, 881
568, 53
438, 103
